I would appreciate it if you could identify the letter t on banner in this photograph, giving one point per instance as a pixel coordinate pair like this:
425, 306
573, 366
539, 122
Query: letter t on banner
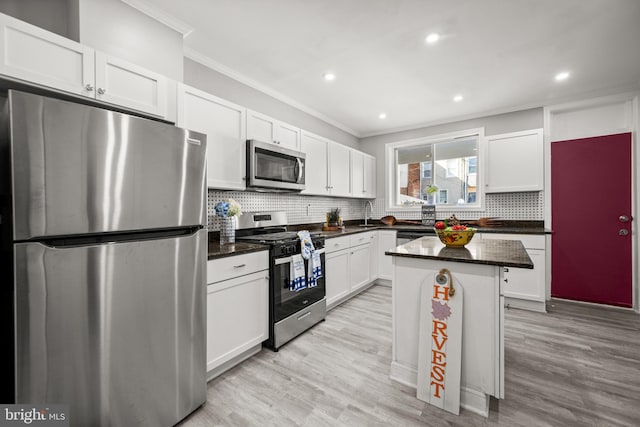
440, 345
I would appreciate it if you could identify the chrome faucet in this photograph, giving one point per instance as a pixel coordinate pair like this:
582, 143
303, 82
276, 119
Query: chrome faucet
366, 217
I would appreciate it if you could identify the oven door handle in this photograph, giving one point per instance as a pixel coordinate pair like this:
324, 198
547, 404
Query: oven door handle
288, 260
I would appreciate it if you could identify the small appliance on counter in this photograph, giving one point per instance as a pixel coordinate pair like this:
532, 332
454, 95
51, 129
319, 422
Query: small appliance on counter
295, 303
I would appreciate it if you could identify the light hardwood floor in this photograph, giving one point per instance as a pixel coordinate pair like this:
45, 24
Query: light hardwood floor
574, 366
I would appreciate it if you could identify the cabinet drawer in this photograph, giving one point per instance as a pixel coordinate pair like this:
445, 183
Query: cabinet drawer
337, 243
530, 241
238, 265
361, 238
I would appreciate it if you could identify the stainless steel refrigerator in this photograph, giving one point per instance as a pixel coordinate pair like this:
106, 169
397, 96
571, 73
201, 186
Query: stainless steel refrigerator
103, 238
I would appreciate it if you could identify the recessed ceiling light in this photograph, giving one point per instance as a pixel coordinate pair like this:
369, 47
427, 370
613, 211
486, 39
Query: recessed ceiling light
329, 76
383, 115
432, 38
562, 76
458, 98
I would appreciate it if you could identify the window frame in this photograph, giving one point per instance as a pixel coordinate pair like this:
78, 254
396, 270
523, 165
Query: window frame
390, 170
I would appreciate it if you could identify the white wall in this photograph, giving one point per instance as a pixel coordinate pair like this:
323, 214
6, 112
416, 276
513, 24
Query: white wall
494, 125
215, 83
52, 15
120, 30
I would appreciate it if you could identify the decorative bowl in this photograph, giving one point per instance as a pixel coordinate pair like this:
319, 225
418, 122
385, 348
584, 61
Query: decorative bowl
456, 238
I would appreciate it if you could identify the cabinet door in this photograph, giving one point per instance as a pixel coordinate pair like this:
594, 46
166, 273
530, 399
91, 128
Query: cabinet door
37, 56
514, 162
224, 124
288, 136
123, 83
527, 284
316, 161
359, 266
237, 317
337, 276
339, 169
260, 127
357, 174
386, 240
373, 254
369, 177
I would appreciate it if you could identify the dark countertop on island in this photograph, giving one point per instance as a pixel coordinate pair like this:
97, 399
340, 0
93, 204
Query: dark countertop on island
505, 253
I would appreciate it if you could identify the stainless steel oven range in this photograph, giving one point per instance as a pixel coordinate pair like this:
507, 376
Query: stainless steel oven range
291, 312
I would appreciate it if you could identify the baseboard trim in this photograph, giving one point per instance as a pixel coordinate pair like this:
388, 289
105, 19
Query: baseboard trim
219, 370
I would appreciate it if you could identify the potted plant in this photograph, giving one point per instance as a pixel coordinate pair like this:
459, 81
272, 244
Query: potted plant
333, 217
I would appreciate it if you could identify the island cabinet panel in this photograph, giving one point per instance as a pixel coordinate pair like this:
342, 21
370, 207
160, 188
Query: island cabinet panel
386, 240
483, 343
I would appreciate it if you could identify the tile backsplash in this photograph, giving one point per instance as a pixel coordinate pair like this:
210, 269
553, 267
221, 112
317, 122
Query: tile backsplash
303, 209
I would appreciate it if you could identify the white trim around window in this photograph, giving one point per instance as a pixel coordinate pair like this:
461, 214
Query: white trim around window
391, 176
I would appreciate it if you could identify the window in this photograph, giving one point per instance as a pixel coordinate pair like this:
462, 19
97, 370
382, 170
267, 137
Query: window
426, 169
443, 170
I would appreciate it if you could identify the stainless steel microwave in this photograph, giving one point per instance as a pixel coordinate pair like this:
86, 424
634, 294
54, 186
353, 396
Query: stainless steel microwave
270, 167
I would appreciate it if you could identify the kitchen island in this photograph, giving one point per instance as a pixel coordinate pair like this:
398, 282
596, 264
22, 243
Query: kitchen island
477, 270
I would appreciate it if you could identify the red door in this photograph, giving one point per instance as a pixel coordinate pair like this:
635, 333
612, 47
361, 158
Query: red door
590, 198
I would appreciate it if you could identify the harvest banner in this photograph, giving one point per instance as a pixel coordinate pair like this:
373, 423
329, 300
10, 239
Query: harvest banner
440, 345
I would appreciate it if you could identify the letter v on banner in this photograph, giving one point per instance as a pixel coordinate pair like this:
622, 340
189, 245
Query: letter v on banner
440, 344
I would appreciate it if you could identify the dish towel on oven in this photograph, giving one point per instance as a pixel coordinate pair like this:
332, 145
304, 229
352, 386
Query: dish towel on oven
306, 245
315, 269
297, 274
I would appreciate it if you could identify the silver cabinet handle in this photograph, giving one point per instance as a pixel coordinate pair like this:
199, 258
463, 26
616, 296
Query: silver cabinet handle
101, 91
240, 266
505, 269
88, 87
308, 313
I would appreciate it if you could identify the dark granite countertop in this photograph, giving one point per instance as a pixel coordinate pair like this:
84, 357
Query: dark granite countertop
427, 230
505, 253
238, 248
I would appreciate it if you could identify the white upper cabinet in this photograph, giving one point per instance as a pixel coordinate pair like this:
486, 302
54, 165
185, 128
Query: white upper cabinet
339, 170
357, 173
267, 129
369, 177
515, 162
224, 124
123, 83
316, 150
363, 175
34, 55
38, 56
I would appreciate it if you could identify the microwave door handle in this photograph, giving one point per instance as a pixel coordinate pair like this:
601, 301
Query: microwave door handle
299, 167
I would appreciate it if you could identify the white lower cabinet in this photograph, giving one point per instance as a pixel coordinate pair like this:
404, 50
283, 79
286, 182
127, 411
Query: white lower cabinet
349, 261
524, 288
237, 309
337, 276
386, 240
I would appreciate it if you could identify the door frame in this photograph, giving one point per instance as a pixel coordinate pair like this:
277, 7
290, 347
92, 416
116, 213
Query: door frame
605, 115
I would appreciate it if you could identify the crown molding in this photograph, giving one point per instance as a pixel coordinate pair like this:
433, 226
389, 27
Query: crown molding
506, 110
161, 16
223, 69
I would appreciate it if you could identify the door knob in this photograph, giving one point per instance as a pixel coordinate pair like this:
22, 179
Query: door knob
623, 218
623, 232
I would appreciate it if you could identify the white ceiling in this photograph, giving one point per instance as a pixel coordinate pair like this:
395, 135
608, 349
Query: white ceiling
501, 55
